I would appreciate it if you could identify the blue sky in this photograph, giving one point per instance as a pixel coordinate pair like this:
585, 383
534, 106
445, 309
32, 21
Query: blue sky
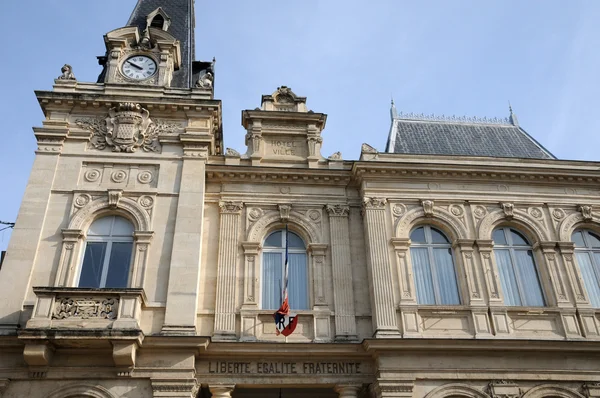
463, 57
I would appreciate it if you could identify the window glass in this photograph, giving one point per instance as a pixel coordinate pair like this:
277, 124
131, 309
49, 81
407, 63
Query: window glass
295, 241
518, 239
433, 267
499, 237
418, 235
577, 239
274, 240
438, 237
516, 266
594, 240
107, 254
273, 271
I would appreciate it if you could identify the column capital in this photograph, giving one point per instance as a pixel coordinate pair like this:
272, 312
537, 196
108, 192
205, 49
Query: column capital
230, 207
463, 244
370, 203
338, 210
221, 390
566, 247
485, 244
347, 390
174, 387
546, 247
383, 389
400, 244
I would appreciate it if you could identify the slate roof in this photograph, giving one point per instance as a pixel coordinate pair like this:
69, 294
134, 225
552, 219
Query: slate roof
463, 137
182, 26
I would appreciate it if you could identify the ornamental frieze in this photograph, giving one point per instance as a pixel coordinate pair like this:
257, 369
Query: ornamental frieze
85, 308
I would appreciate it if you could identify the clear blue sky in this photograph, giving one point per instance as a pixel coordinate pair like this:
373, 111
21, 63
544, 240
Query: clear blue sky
463, 57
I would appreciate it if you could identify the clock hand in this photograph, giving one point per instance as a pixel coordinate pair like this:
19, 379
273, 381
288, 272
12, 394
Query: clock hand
135, 65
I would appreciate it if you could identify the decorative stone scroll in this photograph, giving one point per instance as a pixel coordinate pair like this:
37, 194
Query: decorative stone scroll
85, 308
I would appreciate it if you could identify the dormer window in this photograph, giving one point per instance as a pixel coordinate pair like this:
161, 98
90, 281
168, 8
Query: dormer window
158, 19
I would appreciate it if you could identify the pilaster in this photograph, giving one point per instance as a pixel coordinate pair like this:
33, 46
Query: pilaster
226, 271
379, 270
184, 272
22, 250
250, 300
559, 289
343, 293
408, 298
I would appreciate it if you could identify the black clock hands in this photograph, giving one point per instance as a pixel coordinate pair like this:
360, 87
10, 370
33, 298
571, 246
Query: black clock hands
135, 65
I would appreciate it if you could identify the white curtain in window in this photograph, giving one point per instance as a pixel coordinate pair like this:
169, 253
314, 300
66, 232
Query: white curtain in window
423, 277
272, 280
444, 270
298, 281
507, 277
589, 276
532, 291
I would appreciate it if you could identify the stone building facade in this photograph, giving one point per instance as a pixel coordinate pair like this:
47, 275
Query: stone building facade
146, 258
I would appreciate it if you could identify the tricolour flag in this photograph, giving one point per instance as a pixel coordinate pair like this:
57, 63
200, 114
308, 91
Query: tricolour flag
285, 323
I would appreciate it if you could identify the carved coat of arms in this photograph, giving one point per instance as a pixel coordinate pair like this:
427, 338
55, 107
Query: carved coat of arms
127, 128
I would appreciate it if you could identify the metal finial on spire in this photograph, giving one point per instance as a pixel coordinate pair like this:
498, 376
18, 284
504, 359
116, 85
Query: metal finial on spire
512, 118
393, 111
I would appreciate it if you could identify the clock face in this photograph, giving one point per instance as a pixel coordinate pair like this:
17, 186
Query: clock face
139, 67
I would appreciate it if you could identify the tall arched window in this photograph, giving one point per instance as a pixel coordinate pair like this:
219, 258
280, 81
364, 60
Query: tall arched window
587, 253
433, 267
107, 256
518, 272
273, 257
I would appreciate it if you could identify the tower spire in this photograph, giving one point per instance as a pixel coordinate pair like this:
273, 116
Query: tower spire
177, 18
393, 110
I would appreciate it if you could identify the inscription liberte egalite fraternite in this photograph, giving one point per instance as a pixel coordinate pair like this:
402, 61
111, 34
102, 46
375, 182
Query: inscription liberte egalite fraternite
284, 367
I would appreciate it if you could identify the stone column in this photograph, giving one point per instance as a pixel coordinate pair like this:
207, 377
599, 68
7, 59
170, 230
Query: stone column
379, 269
184, 272
226, 271
221, 390
347, 390
343, 292
22, 250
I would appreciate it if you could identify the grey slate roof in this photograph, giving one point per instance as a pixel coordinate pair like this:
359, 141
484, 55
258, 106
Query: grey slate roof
182, 26
452, 137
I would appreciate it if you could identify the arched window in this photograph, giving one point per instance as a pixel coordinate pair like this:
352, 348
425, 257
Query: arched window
587, 253
433, 267
518, 272
273, 258
107, 255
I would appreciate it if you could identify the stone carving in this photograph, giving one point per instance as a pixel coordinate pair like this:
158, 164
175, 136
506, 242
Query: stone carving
205, 81
82, 200
399, 209
232, 152
374, 203
167, 127
67, 73
127, 128
145, 177
427, 207
118, 176
147, 202
230, 207
85, 308
254, 214
366, 148
284, 95
314, 215
480, 211
336, 156
508, 209
284, 212
285, 190
92, 175
586, 212
457, 210
338, 210
535, 212
558, 214
114, 196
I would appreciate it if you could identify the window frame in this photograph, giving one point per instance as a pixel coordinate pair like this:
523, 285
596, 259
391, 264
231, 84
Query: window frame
430, 246
281, 250
511, 248
109, 240
589, 251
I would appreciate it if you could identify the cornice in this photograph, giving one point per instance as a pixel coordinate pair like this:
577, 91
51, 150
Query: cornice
319, 119
220, 173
